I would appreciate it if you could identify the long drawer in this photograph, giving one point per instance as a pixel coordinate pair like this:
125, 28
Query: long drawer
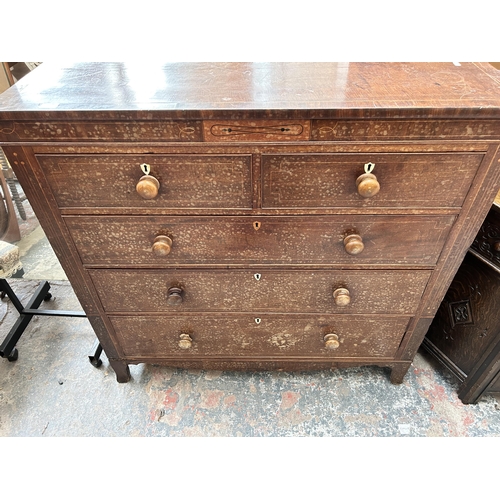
313, 291
329, 180
266, 335
319, 240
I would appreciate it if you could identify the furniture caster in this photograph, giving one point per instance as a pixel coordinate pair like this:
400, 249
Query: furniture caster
14, 354
3, 295
95, 362
95, 357
47, 297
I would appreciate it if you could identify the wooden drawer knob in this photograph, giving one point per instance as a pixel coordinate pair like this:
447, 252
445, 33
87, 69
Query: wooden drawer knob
353, 244
367, 185
331, 341
342, 297
148, 187
496, 246
162, 245
185, 342
174, 296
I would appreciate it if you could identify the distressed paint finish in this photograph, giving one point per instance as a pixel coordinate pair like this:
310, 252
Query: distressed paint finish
250, 148
328, 130
377, 292
189, 131
186, 181
389, 240
291, 181
238, 336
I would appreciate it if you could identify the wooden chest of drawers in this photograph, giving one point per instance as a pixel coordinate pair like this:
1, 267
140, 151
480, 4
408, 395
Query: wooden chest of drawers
258, 216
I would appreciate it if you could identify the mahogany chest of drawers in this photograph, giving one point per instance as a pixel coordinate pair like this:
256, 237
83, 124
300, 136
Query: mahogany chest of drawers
465, 333
258, 216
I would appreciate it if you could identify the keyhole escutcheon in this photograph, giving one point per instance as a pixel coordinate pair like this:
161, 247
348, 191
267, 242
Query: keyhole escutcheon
257, 225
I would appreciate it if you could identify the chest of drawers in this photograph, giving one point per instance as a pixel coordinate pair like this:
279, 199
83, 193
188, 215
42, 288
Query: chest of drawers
258, 216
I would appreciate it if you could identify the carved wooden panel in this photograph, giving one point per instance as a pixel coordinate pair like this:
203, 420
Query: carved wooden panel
319, 240
376, 292
324, 180
487, 241
468, 319
265, 335
186, 181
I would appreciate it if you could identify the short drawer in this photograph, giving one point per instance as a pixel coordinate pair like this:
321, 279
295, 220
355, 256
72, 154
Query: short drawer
185, 180
267, 335
321, 240
206, 290
329, 180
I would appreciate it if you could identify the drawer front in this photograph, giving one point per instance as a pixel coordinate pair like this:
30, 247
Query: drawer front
487, 241
329, 180
238, 336
128, 241
185, 181
164, 290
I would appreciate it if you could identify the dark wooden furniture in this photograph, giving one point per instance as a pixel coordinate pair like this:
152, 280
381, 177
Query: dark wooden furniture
465, 333
258, 216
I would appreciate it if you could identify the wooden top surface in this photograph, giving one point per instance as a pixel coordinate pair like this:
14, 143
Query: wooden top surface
215, 90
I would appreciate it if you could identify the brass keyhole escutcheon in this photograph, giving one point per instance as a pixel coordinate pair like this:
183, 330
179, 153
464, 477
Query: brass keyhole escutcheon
258, 321
257, 225
257, 276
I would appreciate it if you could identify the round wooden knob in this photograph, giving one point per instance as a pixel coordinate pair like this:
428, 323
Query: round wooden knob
367, 185
174, 296
162, 245
331, 341
353, 244
342, 297
185, 341
496, 246
148, 187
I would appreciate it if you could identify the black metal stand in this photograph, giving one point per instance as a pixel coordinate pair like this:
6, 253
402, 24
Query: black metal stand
8, 348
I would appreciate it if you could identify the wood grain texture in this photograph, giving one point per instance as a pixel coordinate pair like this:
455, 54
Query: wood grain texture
234, 336
293, 291
186, 181
293, 181
214, 90
388, 240
469, 316
257, 166
465, 333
